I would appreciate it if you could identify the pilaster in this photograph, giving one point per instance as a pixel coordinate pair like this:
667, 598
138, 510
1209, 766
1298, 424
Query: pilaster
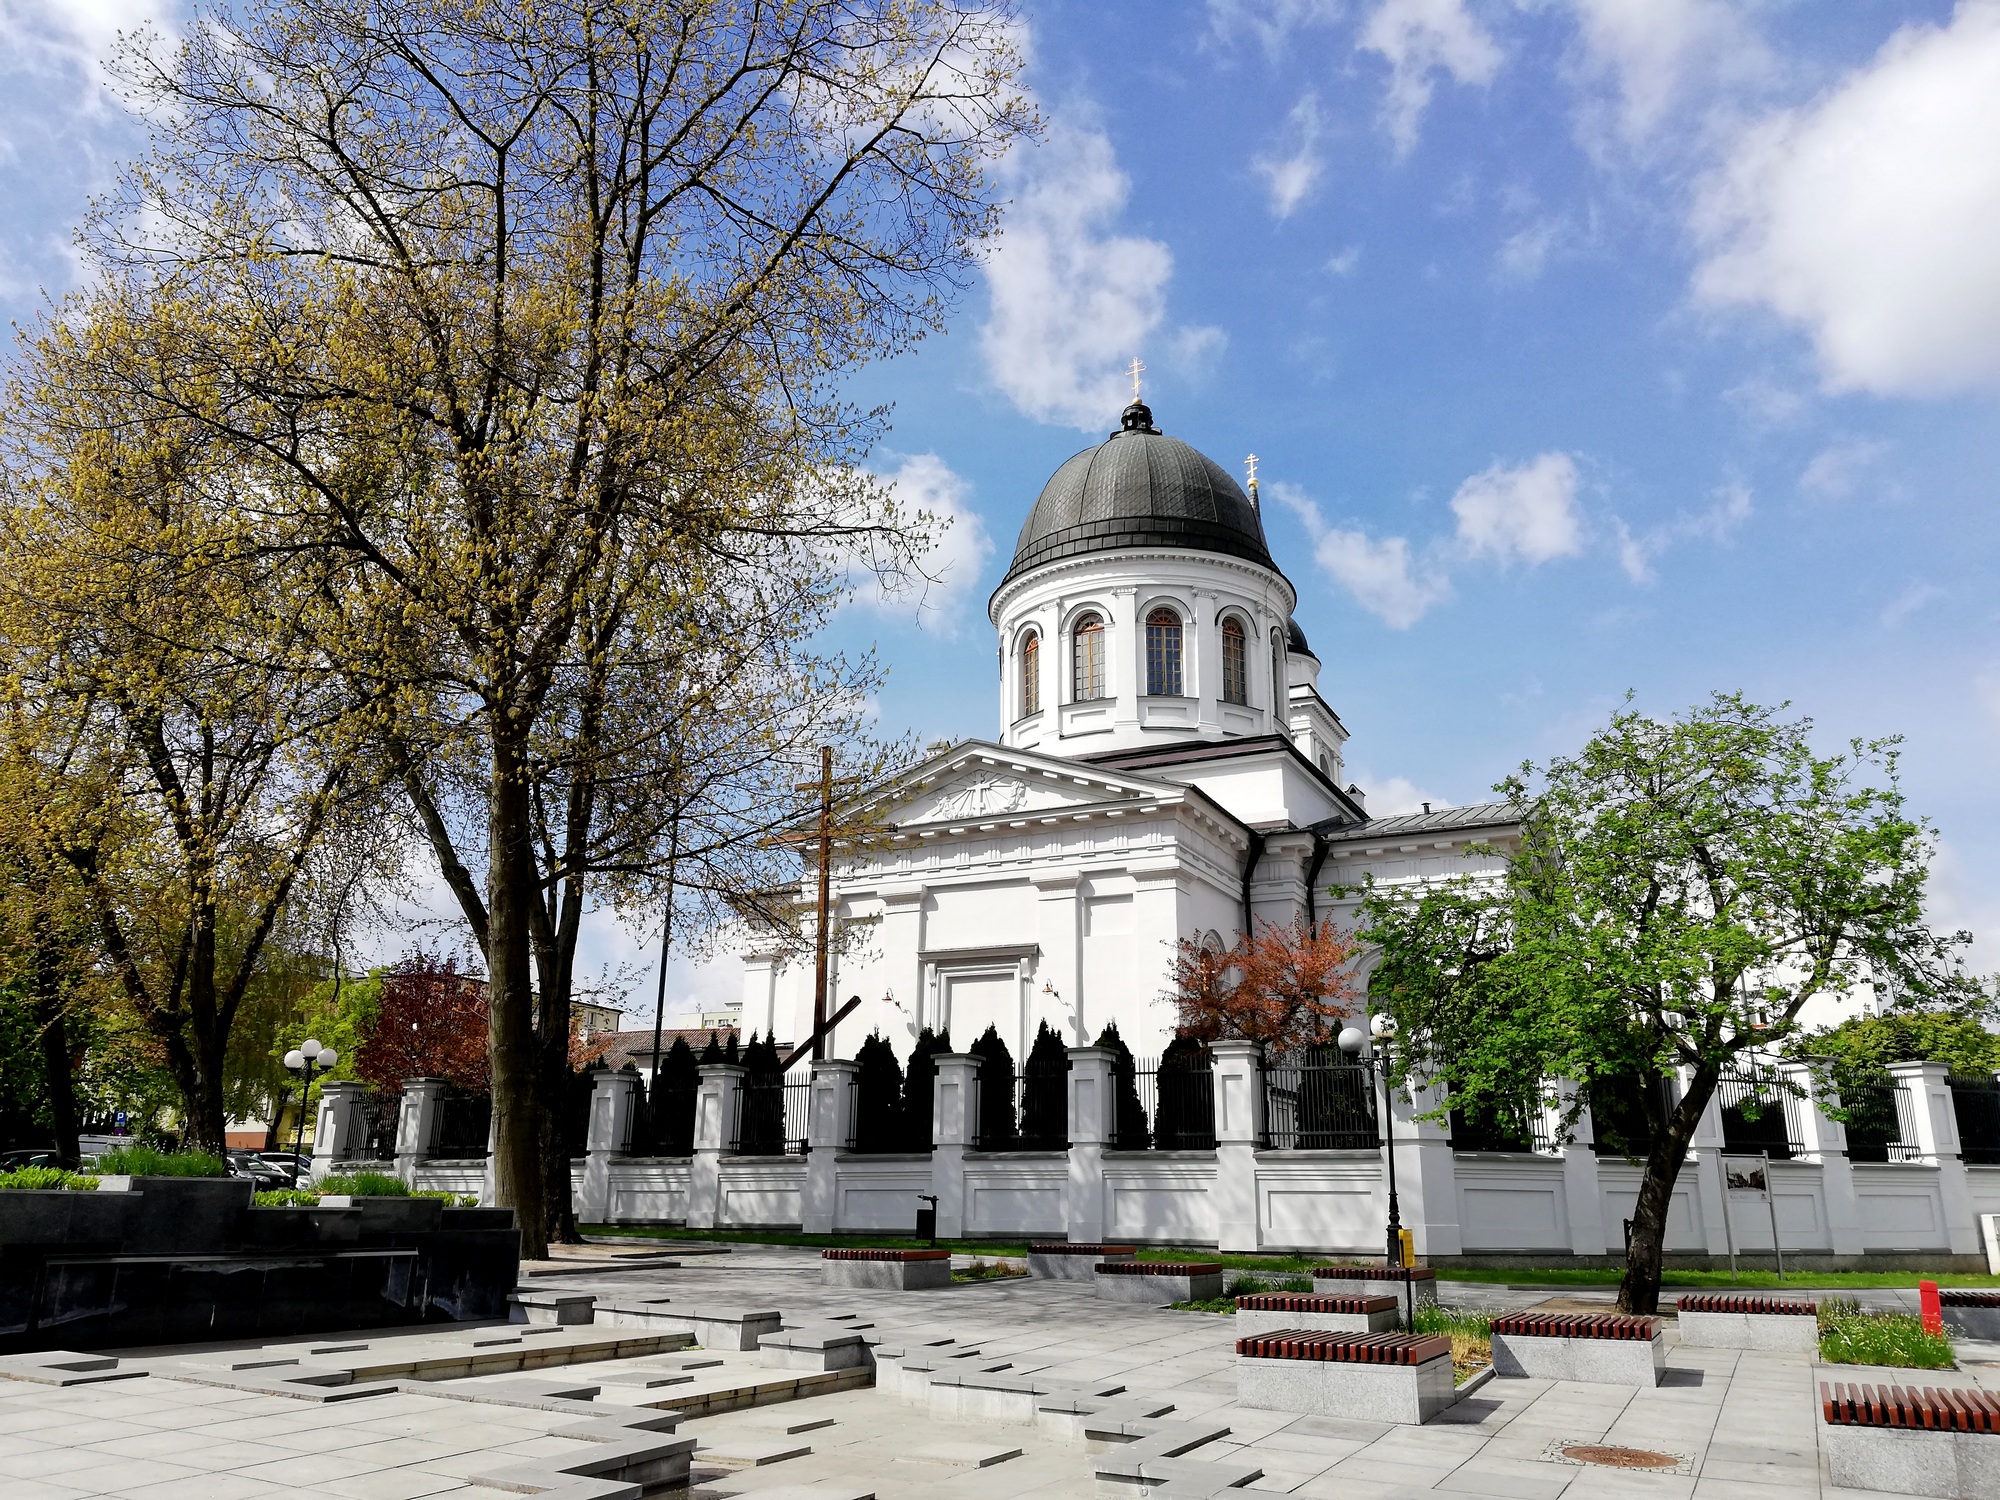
613, 1096
716, 1118
902, 942
954, 1105
1427, 1171
1582, 1196
1059, 930
1934, 1119
829, 1131
1092, 1113
333, 1126
1239, 1131
1825, 1141
1127, 651
1711, 1180
416, 1124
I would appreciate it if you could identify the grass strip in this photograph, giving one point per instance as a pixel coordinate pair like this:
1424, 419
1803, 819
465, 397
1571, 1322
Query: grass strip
1849, 1336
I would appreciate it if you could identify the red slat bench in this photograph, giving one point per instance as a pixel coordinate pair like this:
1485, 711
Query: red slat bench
1381, 1281
1323, 1312
1971, 1315
1603, 1348
1729, 1320
1912, 1440
886, 1270
1372, 1377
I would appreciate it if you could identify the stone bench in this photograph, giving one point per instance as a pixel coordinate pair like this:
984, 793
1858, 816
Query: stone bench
1971, 1315
1602, 1348
1158, 1282
815, 1346
1066, 1262
1325, 1312
711, 1327
550, 1307
886, 1270
1904, 1440
1729, 1321
1379, 1281
1363, 1377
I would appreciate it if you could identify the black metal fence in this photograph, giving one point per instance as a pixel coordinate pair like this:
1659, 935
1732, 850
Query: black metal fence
376, 1114
1759, 1114
1976, 1104
1165, 1104
1879, 1122
662, 1119
1035, 1118
771, 1117
1619, 1120
464, 1125
1314, 1103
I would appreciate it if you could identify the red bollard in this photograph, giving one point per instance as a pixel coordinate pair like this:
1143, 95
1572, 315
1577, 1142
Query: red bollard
1927, 1297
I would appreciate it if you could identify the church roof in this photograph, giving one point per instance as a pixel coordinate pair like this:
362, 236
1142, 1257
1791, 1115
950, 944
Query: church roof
1140, 488
1445, 819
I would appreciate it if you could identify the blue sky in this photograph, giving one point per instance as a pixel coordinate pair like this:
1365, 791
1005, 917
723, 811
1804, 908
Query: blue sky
1587, 345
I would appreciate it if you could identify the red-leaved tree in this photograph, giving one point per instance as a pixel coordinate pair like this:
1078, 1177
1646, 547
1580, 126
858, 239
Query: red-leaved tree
432, 1024
1285, 986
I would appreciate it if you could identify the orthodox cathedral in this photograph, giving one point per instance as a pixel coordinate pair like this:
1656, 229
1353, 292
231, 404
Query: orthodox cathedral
1166, 767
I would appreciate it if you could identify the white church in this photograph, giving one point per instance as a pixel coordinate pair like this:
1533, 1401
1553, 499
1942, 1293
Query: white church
1166, 768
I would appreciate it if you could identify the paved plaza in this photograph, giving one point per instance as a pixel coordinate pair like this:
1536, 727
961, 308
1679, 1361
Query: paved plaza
475, 1409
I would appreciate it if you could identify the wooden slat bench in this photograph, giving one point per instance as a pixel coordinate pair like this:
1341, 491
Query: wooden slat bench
1378, 1281
1067, 1262
1158, 1282
886, 1270
1720, 1320
1330, 1312
1603, 1348
1912, 1440
1971, 1315
1371, 1377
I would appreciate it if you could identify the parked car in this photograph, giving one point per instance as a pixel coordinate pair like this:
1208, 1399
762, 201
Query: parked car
288, 1163
262, 1173
13, 1161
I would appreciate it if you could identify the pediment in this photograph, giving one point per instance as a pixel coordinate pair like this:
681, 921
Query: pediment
970, 786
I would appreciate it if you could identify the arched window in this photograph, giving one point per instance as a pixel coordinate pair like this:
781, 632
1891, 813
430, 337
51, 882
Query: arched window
1031, 673
1235, 662
1163, 654
1281, 693
1087, 660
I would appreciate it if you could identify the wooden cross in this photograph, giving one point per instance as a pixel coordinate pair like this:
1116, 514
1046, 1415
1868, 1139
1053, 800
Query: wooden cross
1135, 370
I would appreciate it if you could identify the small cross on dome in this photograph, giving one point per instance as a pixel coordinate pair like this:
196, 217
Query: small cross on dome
1135, 370
1250, 466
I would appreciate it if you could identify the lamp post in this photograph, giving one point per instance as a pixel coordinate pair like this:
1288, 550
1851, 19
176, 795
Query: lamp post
306, 1059
1356, 1043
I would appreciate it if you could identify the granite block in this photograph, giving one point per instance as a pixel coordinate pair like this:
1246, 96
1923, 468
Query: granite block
1411, 1394
1599, 1361
1252, 1321
1160, 1290
886, 1275
1706, 1330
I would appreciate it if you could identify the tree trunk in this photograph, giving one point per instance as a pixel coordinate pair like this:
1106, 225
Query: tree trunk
518, 1179
59, 1080
1639, 1292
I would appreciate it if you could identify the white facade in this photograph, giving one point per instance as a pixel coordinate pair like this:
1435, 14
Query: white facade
1130, 801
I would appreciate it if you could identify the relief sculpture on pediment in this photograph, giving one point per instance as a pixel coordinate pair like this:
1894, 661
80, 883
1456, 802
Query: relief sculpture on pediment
982, 796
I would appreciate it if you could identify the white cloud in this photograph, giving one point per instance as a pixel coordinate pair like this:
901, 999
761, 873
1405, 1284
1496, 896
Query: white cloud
1524, 253
1907, 603
1391, 795
1636, 551
1072, 303
1652, 51
1841, 468
1346, 262
1378, 573
73, 38
1528, 514
926, 486
1869, 217
1418, 38
1270, 22
1292, 177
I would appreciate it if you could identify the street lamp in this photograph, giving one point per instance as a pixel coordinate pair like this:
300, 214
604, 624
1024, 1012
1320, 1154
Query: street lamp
306, 1059
1356, 1043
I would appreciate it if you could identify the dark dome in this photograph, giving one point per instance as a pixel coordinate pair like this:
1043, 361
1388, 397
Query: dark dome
1295, 639
1139, 488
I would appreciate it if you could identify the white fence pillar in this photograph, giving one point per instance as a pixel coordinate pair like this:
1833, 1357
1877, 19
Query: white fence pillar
829, 1131
613, 1097
416, 1124
1426, 1172
1582, 1198
1239, 1131
954, 1117
1711, 1181
1093, 1120
716, 1119
334, 1125
1934, 1121
1824, 1140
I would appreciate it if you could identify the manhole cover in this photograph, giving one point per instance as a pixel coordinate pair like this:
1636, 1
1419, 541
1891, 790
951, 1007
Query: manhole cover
1620, 1458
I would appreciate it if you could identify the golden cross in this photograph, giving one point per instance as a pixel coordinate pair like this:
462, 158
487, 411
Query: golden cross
1135, 370
1250, 463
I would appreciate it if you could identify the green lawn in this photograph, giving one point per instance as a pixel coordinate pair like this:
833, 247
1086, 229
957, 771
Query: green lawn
1294, 1263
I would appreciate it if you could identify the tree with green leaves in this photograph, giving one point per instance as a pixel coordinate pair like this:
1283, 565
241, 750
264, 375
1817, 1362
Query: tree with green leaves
1684, 887
918, 1083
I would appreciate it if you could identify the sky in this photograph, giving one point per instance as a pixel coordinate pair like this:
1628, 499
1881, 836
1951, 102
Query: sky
1587, 346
